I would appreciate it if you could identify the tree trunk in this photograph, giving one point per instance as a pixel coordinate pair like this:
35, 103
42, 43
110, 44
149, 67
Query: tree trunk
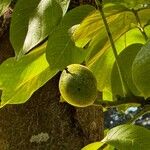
43, 123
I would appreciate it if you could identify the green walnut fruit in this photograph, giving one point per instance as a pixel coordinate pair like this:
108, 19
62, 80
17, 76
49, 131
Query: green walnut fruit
78, 85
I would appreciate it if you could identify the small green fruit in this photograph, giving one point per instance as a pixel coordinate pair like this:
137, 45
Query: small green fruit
78, 85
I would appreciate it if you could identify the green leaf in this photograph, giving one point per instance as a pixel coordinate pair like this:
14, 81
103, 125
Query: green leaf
98, 146
92, 29
144, 17
133, 4
93, 26
141, 70
19, 79
116, 7
125, 58
3, 6
147, 29
93, 146
100, 43
128, 137
101, 64
64, 5
72, 17
61, 50
32, 21
109, 147
137, 4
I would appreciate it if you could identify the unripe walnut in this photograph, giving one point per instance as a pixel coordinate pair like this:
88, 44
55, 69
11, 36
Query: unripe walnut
78, 85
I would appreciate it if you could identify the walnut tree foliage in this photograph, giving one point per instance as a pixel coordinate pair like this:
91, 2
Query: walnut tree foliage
111, 39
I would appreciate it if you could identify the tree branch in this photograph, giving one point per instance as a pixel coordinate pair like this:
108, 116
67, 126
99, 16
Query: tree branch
122, 100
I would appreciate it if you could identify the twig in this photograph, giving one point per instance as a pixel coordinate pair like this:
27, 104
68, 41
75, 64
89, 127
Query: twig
123, 100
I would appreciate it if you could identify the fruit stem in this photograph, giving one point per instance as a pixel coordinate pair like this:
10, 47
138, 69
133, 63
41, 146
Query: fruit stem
100, 8
140, 27
67, 71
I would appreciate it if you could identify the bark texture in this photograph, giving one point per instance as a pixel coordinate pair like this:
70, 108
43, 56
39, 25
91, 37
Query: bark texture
43, 123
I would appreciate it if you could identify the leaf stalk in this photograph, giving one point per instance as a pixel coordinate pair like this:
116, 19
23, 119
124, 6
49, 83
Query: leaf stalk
99, 4
140, 27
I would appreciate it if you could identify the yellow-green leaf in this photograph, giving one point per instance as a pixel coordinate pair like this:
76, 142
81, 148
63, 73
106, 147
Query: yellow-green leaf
19, 79
128, 137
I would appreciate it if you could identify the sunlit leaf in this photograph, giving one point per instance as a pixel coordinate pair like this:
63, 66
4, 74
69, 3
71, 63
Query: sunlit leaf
98, 146
93, 146
101, 64
19, 79
93, 26
129, 137
117, 17
92, 29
